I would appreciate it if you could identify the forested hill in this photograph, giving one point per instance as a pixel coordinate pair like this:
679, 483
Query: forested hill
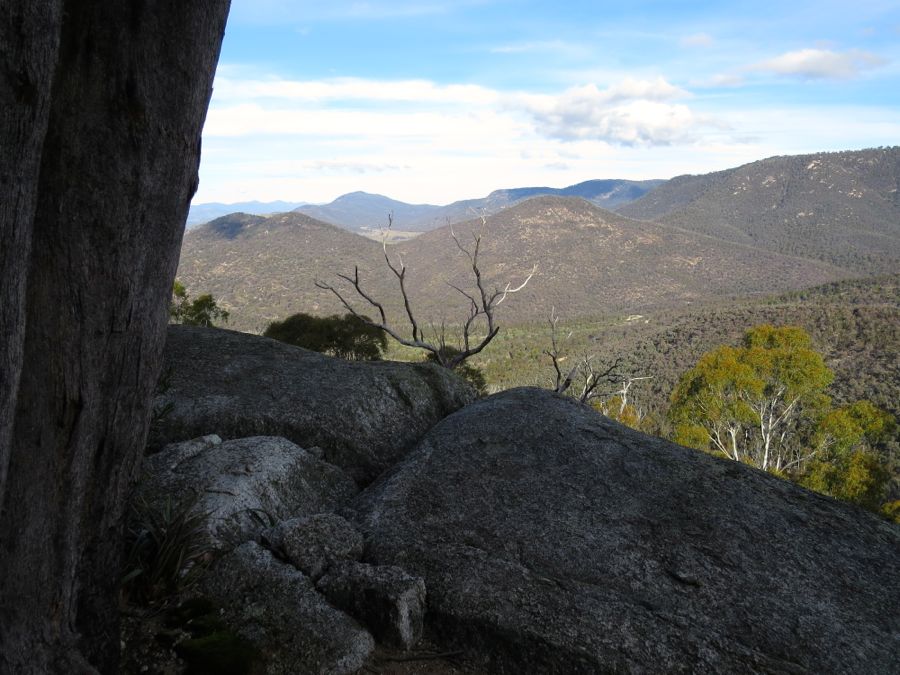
842, 208
854, 323
590, 262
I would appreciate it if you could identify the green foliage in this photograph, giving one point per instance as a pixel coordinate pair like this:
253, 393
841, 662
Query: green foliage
891, 511
851, 426
750, 401
622, 412
347, 337
166, 547
202, 311
857, 477
466, 370
222, 652
847, 466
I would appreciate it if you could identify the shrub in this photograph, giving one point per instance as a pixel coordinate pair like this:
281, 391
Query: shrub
347, 337
165, 549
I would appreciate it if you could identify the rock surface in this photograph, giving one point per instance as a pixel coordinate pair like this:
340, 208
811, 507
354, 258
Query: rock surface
244, 484
553, 540
385, 599
276, 608
364, 415
313, 543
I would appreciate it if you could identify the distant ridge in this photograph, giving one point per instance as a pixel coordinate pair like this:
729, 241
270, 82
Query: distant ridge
203, 213
358, 210
591, 261
839, 207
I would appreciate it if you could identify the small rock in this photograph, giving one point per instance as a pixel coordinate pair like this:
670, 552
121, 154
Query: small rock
277, 609
387, 600
313, 543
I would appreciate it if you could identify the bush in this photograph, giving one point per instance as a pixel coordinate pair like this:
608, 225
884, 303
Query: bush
347, 337
200, 312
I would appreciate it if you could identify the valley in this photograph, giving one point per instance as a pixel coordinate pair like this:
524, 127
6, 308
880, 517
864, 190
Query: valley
688, 265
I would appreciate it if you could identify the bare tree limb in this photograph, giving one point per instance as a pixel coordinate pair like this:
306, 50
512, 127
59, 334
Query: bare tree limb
481, 303
583, 369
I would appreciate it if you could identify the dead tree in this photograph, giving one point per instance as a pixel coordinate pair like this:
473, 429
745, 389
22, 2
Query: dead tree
583, 370
482, 304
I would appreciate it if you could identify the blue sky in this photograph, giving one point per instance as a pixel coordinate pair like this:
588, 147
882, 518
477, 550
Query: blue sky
436, 101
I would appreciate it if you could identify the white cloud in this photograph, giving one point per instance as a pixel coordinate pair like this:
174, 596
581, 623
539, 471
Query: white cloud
696, 40
312, 141
721, 80
631, 112
279, 12
820, 64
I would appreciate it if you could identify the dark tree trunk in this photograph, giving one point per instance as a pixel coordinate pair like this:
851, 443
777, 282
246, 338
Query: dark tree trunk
109, 147
29, 38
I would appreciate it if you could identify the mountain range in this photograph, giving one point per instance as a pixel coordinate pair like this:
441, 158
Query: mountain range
361, 210
842, 207
694, 239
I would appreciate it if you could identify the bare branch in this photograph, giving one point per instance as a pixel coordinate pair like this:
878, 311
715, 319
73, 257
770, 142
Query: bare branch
480, 304
583, 370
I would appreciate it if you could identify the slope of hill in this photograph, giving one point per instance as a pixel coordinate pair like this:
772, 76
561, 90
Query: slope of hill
262, 269
590, 262
359, 210
842, 208
855, 324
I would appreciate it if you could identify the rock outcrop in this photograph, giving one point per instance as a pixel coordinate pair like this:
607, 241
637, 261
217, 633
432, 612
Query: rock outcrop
276, 608
387, 600
553, 540
244, 485
364, 415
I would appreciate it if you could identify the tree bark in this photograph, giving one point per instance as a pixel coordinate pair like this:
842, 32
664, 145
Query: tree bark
110, 147
26, 74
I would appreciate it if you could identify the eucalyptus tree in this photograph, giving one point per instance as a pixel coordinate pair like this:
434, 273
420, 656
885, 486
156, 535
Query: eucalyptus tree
750, 403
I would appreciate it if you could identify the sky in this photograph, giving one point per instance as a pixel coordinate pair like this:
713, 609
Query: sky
435, 101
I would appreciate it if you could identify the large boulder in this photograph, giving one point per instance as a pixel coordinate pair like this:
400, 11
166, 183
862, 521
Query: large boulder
244, 485
364, 415
554, 540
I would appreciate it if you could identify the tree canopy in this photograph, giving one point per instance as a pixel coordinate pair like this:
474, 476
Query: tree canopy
348, 337
201, 311
764, 403
749, 402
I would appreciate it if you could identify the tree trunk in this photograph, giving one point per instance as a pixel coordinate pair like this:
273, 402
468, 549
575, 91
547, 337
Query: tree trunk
117, 165
26, 73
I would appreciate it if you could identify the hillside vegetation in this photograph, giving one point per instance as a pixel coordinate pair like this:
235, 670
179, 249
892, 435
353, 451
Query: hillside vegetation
842, 208
590, 262
855, 324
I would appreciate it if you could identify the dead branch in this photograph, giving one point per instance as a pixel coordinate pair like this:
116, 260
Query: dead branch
583, 370
481, 303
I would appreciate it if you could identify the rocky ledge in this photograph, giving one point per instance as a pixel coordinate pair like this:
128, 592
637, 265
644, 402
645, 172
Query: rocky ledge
524, 531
